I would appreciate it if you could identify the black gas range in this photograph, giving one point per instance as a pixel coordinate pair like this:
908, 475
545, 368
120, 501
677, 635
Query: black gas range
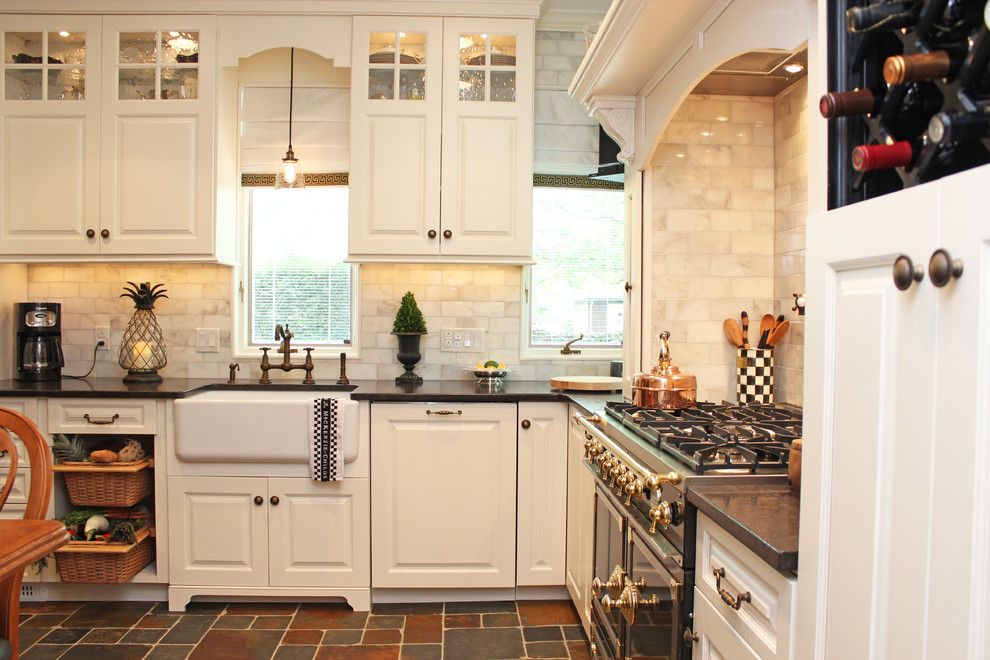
643, 462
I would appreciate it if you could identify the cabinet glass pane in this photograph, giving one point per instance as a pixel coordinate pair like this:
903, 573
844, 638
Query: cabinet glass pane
472, 49
66, 84
412, 84
471, 86
381, 48
180, 47
179, 84
503, 50
136, 84
138, 48
22, 47
22, 85
66, 47
503, 86
381, 84
412, 47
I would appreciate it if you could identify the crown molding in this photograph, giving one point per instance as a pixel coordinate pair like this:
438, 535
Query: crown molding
612, 33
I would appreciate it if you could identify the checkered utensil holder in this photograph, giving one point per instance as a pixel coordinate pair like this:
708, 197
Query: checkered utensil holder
754, 375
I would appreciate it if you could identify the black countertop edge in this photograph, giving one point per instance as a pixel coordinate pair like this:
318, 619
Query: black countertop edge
761, 514
375, 391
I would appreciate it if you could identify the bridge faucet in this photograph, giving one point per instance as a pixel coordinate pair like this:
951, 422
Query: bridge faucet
286, 350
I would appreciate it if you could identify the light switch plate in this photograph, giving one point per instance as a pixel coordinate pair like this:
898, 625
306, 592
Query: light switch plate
462, 340
207, 340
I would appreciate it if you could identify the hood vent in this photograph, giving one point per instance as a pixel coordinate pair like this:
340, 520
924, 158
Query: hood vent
757, 62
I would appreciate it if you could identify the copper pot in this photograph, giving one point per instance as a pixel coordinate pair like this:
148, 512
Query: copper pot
664, 386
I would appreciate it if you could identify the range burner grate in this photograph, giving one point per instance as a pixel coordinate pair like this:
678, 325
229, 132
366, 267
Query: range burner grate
710, 437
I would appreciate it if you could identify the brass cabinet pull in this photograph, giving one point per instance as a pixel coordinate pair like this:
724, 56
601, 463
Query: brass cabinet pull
274, 500
259, 500
101, 422
906, 272
444, 412
942, 268
727, 598
525, 424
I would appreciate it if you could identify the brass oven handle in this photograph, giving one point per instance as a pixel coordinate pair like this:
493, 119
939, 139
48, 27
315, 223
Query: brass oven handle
727, 598
101, 422
650, 480
444, 412
629, 602
613, 585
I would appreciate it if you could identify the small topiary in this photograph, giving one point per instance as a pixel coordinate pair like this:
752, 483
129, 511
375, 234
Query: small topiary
409, 318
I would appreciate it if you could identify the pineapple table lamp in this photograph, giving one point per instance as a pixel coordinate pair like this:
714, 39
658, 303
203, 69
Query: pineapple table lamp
142, 350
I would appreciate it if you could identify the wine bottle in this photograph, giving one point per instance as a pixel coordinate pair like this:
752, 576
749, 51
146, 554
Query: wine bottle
864, 101
882, 16
907, 109
869, 157
948, 127
899, 69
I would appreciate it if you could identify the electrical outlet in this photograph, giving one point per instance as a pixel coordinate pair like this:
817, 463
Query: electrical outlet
102, 333
462, 340
207, 340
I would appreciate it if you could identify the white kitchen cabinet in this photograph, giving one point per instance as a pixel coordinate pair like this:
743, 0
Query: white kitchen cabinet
580, 523
50, 134
278, 532
715, 639
158, 134
317, 531
219, 530
444, 505
542, 495
896, 448
419, 83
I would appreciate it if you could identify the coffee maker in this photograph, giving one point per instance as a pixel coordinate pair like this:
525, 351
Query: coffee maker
39, 341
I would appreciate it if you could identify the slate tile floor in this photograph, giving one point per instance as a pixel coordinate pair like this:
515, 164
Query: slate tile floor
308, 631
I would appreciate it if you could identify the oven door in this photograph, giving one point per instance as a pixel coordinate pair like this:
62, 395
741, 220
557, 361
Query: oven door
662, 603
609, 568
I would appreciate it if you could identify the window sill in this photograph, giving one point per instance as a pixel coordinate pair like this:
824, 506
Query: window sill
586, 354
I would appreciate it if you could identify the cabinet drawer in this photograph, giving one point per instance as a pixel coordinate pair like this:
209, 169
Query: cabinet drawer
18, 496
102, 416
716, 637
22, 457
766, 620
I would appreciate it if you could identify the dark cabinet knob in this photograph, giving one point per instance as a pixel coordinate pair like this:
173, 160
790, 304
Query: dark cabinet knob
274, 500
90, 233
628, 287
525, 424
259, 500
105, 233
906, 272
690, 637
942, 268
432, 233
447, 233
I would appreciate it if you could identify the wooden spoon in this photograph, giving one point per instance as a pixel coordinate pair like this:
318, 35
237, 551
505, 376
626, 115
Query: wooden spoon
733, 332
745, 330
767, 322
778, 333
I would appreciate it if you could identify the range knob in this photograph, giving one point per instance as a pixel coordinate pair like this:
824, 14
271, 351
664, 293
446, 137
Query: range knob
616, 470
662, 515
623, 480
633, 488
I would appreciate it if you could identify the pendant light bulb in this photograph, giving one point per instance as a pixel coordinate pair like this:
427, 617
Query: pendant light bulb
290, 175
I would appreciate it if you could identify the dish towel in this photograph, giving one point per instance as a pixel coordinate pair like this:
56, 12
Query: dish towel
327, 429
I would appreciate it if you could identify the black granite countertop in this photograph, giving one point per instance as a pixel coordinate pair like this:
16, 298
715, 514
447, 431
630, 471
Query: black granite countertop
763, 516
363, 390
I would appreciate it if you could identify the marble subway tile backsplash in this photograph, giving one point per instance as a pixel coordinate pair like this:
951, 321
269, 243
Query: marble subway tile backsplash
200, 296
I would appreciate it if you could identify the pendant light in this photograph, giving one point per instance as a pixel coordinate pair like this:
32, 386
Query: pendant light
290, 175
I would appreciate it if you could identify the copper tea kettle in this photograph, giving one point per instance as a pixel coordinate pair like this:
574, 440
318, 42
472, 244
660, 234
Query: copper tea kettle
664, 386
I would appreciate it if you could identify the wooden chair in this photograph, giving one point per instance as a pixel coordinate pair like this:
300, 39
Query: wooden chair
39, 495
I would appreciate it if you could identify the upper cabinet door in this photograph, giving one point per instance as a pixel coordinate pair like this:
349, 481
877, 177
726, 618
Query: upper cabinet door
487, 163
395, 136
158, 134
50, 134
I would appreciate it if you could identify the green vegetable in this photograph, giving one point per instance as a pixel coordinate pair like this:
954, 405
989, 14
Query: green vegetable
67, 449
73, 518
122, 532
491, 364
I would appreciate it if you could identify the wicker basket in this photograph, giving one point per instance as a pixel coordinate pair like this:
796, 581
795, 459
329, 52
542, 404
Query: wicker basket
113, 485
102, 563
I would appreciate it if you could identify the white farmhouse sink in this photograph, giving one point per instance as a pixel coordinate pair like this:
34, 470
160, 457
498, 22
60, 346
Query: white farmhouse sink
234, 426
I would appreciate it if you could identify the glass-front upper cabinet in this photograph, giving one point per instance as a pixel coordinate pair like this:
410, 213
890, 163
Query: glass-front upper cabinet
158, 65
397, 66
486, 67
45, 64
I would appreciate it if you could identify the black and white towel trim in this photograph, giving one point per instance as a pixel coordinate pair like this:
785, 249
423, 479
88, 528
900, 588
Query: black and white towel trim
327, 428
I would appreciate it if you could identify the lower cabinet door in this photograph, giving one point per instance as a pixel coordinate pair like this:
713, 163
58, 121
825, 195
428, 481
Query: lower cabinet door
320, 533
716, 640
580, 524
218, 532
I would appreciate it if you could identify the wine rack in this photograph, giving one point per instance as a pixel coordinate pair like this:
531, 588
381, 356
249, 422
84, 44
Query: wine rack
920, 31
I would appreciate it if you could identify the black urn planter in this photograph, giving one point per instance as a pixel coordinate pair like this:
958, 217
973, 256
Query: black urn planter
409, 356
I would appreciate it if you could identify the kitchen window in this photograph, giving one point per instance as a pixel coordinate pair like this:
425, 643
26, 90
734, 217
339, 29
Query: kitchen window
297, 243
576, 285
